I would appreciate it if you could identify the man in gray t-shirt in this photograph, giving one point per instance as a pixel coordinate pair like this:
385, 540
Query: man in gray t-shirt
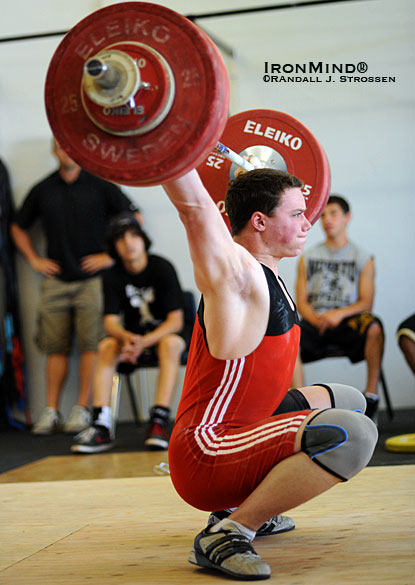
335, 291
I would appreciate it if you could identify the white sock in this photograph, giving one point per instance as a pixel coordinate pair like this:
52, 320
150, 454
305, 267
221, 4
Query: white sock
104, 417
235, 526
372, 396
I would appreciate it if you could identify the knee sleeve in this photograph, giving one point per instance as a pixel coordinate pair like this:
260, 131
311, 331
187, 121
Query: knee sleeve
340, 441
345, 397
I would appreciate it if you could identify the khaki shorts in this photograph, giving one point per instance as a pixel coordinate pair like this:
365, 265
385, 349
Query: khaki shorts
66, 308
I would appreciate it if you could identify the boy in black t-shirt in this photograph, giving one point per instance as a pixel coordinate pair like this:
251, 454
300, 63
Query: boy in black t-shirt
143, 314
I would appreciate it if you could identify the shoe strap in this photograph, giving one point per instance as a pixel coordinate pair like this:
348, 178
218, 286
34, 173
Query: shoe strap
229, 544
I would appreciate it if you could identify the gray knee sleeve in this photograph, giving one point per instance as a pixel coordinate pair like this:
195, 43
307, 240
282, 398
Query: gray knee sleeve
345, 397
340, 441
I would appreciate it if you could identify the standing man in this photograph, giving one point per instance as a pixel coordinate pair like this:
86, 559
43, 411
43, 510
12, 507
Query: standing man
143, 308
242, 441
335, 292
74, 208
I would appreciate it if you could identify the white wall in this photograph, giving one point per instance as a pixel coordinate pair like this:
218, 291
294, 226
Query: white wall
366, 130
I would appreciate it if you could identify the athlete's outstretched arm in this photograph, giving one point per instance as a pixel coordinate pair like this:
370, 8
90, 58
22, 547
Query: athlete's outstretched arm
215, 257
228, 276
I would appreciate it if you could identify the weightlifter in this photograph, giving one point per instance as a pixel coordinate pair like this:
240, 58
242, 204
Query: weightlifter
241, 442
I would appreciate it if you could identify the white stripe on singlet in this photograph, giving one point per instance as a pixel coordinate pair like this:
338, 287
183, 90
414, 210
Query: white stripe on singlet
205, 435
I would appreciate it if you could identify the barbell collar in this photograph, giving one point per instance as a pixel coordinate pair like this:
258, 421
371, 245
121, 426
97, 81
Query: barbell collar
111, 78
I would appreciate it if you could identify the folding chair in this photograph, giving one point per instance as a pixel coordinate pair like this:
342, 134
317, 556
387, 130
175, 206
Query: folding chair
336, 351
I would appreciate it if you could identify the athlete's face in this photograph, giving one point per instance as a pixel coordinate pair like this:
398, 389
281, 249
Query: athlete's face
334, 220
288, 226
130, 247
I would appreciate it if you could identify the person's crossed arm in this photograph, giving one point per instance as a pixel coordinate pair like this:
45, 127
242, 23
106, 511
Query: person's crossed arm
333, 317
133, 344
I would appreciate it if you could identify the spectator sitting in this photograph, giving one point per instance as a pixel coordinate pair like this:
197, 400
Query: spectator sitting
145, 289
335, 291
406, 339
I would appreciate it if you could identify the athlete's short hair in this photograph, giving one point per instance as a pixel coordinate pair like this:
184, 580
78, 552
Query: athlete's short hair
257, 190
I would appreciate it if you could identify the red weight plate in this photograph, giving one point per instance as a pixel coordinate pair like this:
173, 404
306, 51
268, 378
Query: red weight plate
281, 142
191, 128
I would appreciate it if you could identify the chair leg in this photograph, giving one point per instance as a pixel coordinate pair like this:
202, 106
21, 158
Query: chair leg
133, 400
386, 395
144, 392
115, 403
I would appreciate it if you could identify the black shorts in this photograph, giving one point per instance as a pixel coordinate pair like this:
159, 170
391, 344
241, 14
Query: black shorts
149, 356
407, 328
293, 401
350, 336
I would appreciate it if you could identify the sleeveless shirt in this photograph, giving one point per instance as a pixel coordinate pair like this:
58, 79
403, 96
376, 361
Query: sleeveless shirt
247, 389
333, 275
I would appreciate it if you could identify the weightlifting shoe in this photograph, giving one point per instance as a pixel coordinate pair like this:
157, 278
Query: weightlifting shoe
276, 525
229, 551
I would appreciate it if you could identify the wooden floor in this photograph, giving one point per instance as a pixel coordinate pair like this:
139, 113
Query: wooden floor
136, 530
103, 466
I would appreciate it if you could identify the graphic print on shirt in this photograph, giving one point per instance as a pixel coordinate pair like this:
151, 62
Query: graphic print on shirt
337, 280
140, 299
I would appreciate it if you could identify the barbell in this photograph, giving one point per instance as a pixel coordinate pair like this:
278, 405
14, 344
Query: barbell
139, 95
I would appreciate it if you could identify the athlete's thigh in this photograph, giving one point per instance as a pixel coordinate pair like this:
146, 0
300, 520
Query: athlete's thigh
216, 468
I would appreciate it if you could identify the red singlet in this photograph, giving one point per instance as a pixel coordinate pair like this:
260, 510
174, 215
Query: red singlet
224, 440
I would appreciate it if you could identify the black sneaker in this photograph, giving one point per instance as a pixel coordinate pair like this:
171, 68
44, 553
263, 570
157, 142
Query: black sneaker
157, 436
94, 439
372, 408
276, 525
231, 552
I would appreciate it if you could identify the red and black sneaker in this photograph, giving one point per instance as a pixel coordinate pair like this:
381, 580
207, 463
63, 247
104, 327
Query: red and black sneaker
157, 435
95, 439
